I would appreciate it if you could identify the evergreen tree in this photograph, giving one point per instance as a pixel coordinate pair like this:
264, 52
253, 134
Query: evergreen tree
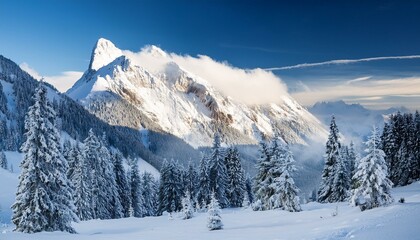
352, 158
43, 199
3, 160
236, 180
122, 184
217, 173
328, 190
170, 189
416, 145
82, 191
341, 181
90, 156
136, 197
149, 189
288, 192
187, 207
214, 220
108, 188
262, 179
73, 158
373, 186
248, 189
203, 192
191, 182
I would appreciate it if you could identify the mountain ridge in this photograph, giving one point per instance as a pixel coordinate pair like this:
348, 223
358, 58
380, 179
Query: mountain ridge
184, 104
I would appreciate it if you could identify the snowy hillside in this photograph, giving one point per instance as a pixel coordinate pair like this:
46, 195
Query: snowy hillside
9, 180
347, 115
156, 90
397, 221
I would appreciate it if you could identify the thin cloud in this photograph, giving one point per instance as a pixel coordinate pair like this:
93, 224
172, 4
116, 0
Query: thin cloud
342, 61
373, 91
62, 82
360, 79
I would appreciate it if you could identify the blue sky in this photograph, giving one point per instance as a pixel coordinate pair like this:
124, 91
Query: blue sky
54, 37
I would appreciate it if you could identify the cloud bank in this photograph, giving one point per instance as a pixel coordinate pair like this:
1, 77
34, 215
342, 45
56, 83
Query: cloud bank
62, 82
255, 86
374, 93
342, 61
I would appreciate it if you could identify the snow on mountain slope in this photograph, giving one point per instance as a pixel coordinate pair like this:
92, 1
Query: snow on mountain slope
180, 102
397, 221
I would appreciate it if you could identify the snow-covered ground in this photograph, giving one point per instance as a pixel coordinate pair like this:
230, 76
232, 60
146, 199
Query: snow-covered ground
9, 182
316, 221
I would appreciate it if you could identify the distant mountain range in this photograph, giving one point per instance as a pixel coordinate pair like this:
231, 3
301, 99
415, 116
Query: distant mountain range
353, 120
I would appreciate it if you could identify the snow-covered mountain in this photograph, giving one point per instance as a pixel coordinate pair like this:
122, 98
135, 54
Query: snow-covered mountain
123, 91
353, 120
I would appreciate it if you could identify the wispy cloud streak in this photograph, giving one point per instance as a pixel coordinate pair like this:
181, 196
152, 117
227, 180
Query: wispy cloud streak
342, 61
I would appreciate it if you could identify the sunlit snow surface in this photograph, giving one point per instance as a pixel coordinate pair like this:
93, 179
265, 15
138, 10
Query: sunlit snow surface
397, 221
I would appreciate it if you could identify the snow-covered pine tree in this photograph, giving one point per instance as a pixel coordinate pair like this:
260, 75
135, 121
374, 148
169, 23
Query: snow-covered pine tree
288, 192
81, 187
3, 161
43, 199
352, 158
73, 158
373, 186
416, 130
122, 184
191, 182
149, 189
67, 146
90, 155
341, 181
248, 189
203, 191
109, 196
214, 220
217, 173
187, 207
170, 189
332, 157
262, 179
136, 197
236, 180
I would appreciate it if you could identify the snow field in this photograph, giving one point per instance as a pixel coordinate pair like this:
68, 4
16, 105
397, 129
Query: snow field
316, 221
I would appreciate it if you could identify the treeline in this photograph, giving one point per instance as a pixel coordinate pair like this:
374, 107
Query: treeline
400, 141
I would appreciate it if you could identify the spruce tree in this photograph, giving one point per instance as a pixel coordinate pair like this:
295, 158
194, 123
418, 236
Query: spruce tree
149, 190
82, 191
373, 186
170, 189
43, 199
327, 190
288, 192
236, 180
122, 184
218, 173
262, 179
3, 160
90, 156
109, 195
187, 207
136, 197
214, 220
203, 191
191, 182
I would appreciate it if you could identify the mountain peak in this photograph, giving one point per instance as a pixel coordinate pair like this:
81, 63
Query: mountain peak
154, 51
103, 53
